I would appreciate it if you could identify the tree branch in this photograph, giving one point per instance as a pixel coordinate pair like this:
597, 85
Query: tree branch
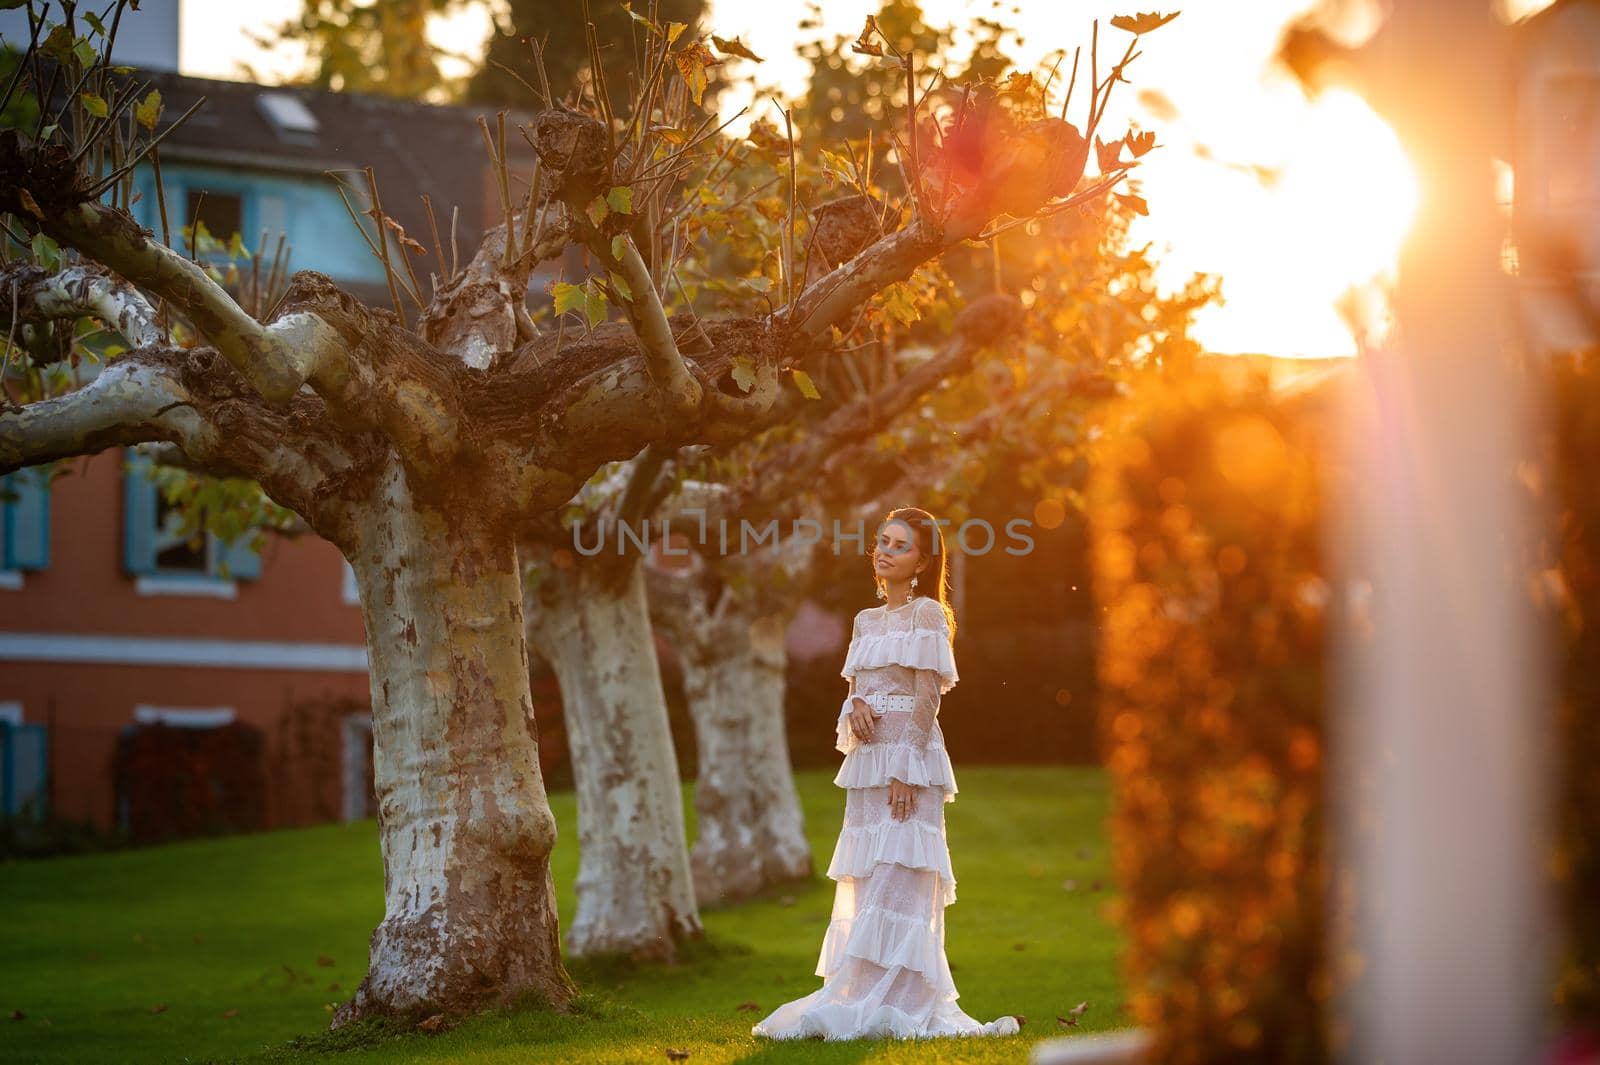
574, 152
821, 451
275, 360
76, 292
642, 306
129, 402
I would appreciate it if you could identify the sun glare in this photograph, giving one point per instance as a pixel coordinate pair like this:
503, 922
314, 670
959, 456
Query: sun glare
1291, 240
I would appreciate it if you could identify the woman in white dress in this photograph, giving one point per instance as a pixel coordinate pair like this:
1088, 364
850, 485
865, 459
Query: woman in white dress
883, 962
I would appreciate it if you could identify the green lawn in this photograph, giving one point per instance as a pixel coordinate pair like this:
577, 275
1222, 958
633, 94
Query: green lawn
235, 948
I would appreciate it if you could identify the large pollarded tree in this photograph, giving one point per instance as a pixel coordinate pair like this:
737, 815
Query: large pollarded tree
423, 446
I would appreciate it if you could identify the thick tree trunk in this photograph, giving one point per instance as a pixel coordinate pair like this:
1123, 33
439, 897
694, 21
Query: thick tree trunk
466, 831
750, 832
635, 893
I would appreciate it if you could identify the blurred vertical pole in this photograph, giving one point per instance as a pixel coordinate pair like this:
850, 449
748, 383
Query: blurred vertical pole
1443, 705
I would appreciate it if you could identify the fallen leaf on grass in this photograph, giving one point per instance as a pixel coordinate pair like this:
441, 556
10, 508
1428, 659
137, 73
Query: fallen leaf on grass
674, 1054
435, 1024
1069, 885
196, 937
334, 986
324, 961
230, 1013
160, 1007
749, 1006
1019, 946
17, 1015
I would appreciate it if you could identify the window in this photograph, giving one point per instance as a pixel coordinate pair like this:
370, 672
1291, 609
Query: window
184, 717
165, 560
288, 116
24, 764
221, 212
24, 523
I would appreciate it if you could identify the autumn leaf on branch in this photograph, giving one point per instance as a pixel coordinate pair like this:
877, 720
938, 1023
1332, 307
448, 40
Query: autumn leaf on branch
692, 60
803, 382
1107, 155
864, 43
400, 235
1143, 22
735, 47
1140, 143
670, 34
148, 111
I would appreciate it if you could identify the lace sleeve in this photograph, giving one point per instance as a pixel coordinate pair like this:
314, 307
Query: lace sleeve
924, 709
928, 683
844, 738
855, 631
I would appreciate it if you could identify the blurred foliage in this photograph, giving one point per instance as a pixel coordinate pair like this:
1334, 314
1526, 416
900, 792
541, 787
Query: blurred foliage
359, 46
849, 96
1204, 519
22, 110
1575, 401
558, 26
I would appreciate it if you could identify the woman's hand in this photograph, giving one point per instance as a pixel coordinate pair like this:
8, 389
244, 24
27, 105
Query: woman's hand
863, 719
902, 799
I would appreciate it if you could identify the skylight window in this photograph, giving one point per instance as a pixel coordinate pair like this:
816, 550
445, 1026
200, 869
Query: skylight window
287, 113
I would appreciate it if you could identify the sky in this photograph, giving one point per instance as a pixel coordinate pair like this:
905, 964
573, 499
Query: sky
1298, 204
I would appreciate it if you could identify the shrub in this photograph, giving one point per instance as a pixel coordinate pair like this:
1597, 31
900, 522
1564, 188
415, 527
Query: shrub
1205, 545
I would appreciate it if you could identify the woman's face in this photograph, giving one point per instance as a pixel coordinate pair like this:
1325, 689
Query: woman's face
896, 557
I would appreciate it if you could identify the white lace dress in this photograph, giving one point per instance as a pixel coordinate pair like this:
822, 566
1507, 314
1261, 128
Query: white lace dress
883, 963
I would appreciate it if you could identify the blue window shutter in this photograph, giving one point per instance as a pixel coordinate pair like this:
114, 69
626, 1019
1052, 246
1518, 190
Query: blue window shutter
243, 562
138, 517
27, 520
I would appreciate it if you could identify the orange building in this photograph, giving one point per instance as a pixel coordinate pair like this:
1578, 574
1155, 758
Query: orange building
110, 627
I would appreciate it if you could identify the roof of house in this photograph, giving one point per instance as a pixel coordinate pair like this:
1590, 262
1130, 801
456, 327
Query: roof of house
413, 148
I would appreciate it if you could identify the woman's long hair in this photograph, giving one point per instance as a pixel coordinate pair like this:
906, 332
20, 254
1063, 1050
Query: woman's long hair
933, 582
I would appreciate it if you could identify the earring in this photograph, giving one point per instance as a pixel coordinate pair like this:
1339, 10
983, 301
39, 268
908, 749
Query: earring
881, 593
911, 594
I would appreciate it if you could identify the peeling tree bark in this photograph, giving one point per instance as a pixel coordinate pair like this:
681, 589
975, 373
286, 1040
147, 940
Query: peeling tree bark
635, 892
469, 902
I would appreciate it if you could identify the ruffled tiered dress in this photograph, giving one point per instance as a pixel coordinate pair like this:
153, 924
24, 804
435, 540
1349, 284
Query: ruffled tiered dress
883, 962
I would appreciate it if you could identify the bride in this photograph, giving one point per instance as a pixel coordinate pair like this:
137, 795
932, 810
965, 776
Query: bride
883, 963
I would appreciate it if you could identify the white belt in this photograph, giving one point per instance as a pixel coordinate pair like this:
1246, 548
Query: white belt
884, 701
